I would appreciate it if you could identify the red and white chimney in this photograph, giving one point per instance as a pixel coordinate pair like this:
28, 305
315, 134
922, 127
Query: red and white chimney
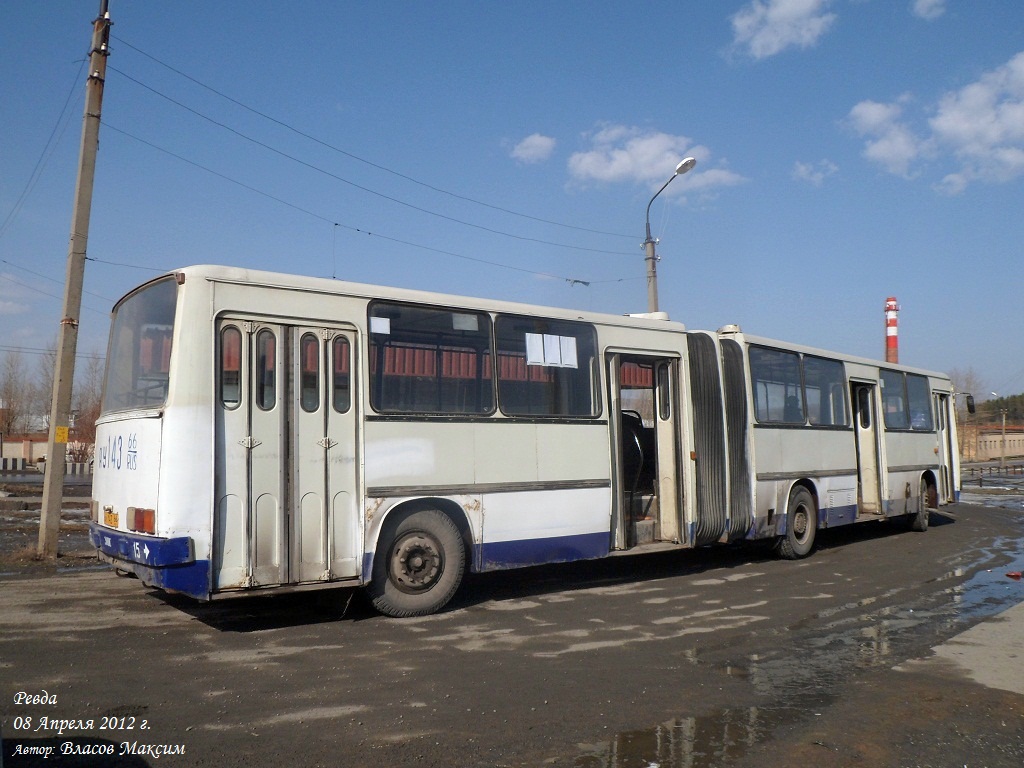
892, 339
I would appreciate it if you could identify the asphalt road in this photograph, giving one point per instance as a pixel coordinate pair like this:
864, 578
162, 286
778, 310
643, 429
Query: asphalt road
722, 657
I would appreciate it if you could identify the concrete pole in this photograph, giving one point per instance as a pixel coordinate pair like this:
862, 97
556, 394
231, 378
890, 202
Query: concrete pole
67, 338
1002, 451
649, 255
652, 272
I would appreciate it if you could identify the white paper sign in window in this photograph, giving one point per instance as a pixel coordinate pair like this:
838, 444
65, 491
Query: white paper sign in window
551, 350
381, 325
465, 322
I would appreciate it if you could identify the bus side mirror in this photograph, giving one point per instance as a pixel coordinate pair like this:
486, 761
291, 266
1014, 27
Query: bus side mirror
970, 403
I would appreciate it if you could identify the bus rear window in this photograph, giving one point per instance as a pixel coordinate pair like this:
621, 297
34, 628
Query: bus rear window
139, 352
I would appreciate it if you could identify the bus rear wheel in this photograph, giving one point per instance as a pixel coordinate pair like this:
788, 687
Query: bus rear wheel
418, 566
801, 525
919, 519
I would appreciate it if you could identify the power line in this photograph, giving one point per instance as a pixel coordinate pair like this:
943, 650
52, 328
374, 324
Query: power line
44, 293
370, 163
44, 156
122, 264
41, 351
327, 220
46, 277
353, 184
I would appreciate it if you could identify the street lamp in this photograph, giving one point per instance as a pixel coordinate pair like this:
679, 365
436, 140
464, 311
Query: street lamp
1002, 449
650, 242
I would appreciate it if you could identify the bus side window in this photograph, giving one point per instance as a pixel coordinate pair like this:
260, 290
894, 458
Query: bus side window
864, 407
894, 400
919, 401
266, 370
230, 367
341, 389
309, 373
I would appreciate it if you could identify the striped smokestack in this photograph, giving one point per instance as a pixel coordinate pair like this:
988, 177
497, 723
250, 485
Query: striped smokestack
892, 339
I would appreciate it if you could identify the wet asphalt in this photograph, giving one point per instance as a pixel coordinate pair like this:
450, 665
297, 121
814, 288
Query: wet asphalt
721, 657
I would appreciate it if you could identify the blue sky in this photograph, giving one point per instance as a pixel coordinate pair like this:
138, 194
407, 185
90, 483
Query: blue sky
848, 150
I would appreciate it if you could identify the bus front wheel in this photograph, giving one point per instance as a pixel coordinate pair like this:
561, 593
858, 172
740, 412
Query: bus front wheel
801, 524
418, 566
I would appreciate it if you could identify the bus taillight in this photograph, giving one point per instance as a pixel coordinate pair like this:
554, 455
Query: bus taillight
141, 520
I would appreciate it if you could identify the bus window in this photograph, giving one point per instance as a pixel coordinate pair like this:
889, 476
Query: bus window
309, 372
341, 386
139, 355
864, 407
825, 386
430, 361
775, 379
894, 401
544, 367
919, 402
230, 367
266, 370
664, 393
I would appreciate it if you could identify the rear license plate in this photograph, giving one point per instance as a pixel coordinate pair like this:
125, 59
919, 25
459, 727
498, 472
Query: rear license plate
110, 518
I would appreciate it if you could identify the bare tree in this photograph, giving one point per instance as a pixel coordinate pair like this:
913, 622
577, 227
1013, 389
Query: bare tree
42, 386
15, 396
88, 391
966, 382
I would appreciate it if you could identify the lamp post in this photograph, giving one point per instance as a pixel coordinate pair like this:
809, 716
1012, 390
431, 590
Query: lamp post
1002, 449
650, 242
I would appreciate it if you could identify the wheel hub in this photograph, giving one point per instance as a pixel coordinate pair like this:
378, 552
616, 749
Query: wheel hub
800, 522
415, 562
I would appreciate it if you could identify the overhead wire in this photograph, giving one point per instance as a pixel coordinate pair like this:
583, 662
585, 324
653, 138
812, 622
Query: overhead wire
44, 156
357, 158
327, 220
351, 183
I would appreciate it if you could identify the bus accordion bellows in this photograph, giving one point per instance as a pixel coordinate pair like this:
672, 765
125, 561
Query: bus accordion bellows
263, 432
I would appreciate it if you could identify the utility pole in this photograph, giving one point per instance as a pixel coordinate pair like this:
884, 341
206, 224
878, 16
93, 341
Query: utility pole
1002, 450
67, 338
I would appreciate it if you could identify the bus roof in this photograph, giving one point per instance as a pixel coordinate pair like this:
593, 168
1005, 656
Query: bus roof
241, 275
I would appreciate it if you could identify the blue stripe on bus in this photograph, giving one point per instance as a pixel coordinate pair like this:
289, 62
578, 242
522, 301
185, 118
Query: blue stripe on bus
166, 563
558, 549
836, 516
501, 555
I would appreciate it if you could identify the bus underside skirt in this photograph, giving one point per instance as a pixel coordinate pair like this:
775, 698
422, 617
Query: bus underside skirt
169, 564
500, 555
839, 515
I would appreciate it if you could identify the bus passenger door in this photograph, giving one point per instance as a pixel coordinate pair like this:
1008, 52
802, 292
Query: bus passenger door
644, 433
944, 416
869, 500
324, 531
250, 447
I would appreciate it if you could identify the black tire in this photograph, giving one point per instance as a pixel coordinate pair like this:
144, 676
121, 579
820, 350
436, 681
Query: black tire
418, 566
801, 525
919, 519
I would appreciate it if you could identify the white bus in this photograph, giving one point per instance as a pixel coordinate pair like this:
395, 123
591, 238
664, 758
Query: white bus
264, 432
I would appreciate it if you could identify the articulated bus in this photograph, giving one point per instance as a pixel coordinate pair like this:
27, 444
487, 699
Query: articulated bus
263, 432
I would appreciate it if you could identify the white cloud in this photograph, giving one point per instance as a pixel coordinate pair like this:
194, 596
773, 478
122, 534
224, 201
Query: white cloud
980, 126
7, 306
766, 27
535, 148
814, 173
890, 141
983, 125
929, 9
12, 308
623, 153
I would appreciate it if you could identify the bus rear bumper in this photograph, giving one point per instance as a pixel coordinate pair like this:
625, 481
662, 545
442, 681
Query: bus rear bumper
169, 564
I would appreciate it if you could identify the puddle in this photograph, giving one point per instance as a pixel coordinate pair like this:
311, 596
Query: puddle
800, 675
